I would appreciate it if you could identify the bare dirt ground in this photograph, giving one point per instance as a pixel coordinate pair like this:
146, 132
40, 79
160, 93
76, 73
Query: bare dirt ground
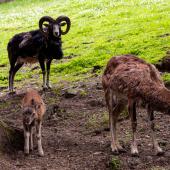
76, 135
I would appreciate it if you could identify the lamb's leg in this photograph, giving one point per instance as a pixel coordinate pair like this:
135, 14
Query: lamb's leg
42, 65
156, 146
132, 113
31, 138
114, 111
26, 143
48, 73
38, 128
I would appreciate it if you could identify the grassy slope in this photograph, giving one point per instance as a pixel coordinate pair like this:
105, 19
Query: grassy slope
100, 29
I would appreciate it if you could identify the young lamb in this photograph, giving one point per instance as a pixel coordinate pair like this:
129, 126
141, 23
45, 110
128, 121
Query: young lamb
33, 110
128, 80
41, 45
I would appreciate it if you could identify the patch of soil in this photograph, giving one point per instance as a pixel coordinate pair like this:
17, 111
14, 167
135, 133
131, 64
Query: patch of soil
163, 65
69, 144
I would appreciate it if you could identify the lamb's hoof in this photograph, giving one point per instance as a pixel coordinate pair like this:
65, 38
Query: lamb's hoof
26, 153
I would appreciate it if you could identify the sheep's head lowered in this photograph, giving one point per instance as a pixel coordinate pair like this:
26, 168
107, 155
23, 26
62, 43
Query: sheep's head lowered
52, 27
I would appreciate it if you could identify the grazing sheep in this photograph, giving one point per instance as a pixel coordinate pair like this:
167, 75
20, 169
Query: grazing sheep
128, 80
33, 110
41, 45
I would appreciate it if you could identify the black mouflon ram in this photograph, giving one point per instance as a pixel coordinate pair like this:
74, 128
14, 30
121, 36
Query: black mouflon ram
41, 45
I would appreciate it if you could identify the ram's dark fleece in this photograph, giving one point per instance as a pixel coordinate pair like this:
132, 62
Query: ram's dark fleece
41, 45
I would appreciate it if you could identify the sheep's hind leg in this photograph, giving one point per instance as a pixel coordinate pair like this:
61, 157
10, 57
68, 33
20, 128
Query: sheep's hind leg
132, 113
42, 65
114, 111
156, 146
12, 73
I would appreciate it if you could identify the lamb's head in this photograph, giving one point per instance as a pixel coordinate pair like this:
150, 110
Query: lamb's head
30, 113
52, 27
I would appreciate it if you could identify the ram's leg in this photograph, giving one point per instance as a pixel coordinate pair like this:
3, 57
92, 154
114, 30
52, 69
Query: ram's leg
26, 141
42, 65
15, 69
156, 146
38, 129
10, 79
48, 73
132, 113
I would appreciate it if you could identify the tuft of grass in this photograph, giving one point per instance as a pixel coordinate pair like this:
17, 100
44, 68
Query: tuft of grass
96, 121
115, 163
100, 29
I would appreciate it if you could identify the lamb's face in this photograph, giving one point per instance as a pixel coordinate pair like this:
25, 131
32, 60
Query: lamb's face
29, 115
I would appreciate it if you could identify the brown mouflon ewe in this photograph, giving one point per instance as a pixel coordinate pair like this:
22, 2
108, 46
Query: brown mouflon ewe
128, 80
33, 111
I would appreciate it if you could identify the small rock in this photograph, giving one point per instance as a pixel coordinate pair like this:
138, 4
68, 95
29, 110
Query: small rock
94, 103
70, 93
97, 153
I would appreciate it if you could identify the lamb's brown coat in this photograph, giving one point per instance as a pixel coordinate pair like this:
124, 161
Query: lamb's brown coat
30, 95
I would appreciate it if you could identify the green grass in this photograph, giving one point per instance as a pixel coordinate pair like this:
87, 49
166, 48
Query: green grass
100, 29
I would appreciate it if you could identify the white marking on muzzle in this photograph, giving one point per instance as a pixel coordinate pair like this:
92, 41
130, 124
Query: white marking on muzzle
56, 30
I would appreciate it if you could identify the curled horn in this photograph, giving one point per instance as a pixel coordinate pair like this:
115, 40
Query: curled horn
45, 19
67, 20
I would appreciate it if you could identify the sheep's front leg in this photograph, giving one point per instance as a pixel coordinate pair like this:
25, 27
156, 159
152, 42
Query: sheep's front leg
26, 142
31, 138
38, 129
156, 146
132, 113
48, 73
42, 65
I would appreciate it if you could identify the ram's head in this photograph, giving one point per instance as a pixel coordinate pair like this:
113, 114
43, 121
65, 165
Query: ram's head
54, 27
